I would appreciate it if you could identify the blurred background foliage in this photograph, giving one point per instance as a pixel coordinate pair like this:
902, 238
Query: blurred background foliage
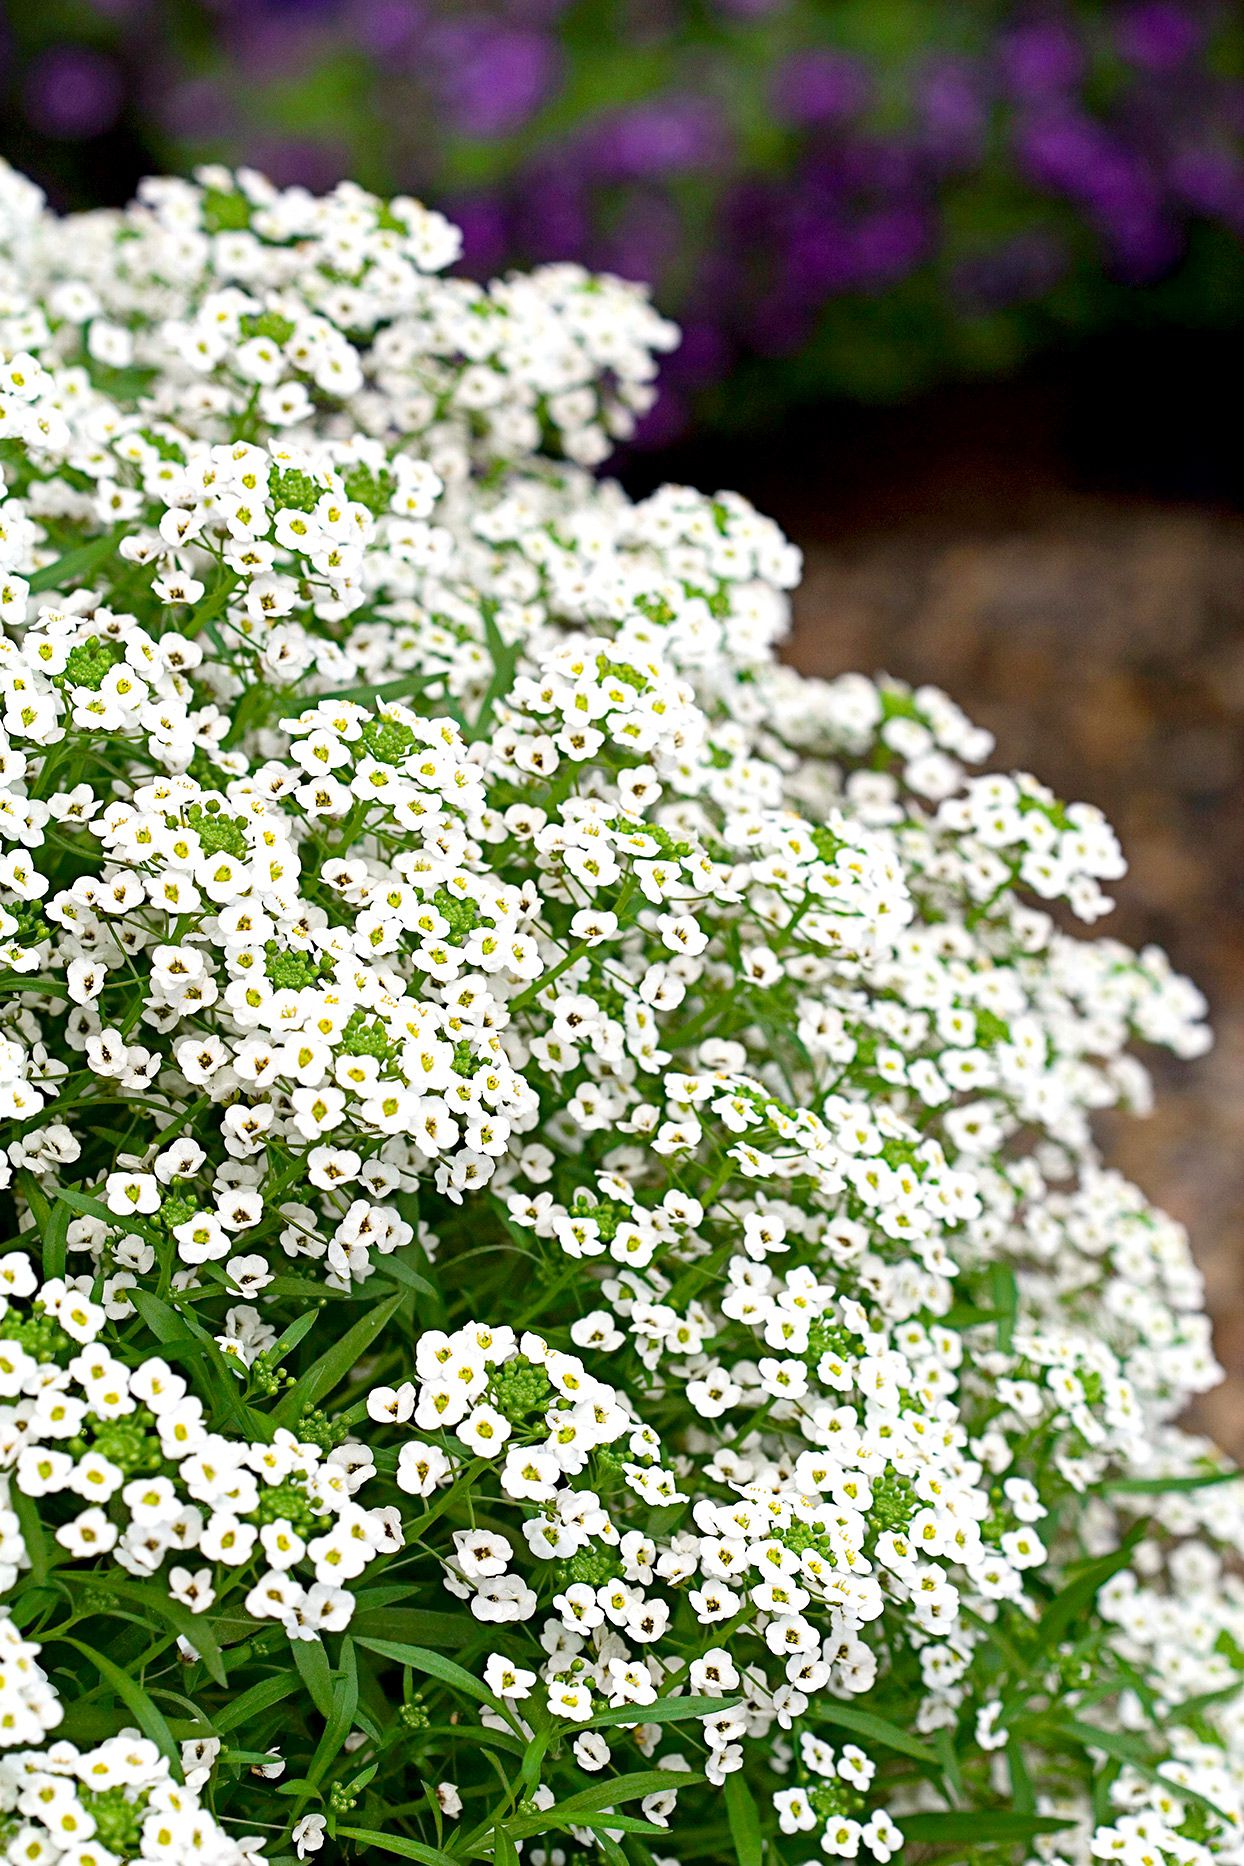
838, 198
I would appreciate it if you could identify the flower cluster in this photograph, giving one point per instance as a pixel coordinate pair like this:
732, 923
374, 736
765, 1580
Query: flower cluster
883, 193
116, 1801
425, 897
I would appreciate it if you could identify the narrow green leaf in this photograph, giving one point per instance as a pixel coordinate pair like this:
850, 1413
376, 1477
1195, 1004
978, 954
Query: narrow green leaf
1006, 1302
663, 1710
194, 1627
79, 562
504, 657
289, 1338
877, 1730
397, 1844
34, 1535
85, 1202
1082, 1589
433, 1665
416, 1625
337, 1729
504, 1852
978, 1826
267, 1692
367, 695
1157, 1486
131, 1694
1022, 1792
336, 1362
561, 1819
744, 1818
315, 1672
626, 1788
56, 1240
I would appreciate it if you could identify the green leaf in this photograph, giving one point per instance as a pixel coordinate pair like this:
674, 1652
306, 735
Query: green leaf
504, 1852
744, 1818
1082, 1589
877, 1730
260, 1697
337, 1729
336, 1362
1123, 1747
434, 1665
663, 1710
131, 1694
289, 1338
1006, 1302
625, 1788
369, 695
1157, 1486
56, 1240
34, 1535
79, 562
193, 1627
397, 1844
315, 1672
94, 1208
978, 1826
504, 657
413, 1624
212, 605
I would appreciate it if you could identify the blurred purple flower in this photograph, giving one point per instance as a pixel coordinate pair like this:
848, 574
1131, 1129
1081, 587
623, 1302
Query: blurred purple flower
1159, 36
553, 219
294, 161
891, 241
664, 136
73, 92
953, 110
492, 78
1040, 59
820, 87
386, 27
485, 233
1211, 181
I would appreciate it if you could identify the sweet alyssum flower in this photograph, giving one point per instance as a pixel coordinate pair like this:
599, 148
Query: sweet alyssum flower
556, 1245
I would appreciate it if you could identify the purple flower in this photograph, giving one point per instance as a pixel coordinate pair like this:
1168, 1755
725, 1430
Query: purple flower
1040, 59
751, 9
1158, 36
1211, 181
387, 27
294, 161
73, 92
953, 109
890, 242
485, 229
492, 78
553, 217
820, 87
665, 136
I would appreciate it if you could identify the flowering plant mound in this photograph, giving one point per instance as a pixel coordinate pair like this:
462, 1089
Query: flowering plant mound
559, 1295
